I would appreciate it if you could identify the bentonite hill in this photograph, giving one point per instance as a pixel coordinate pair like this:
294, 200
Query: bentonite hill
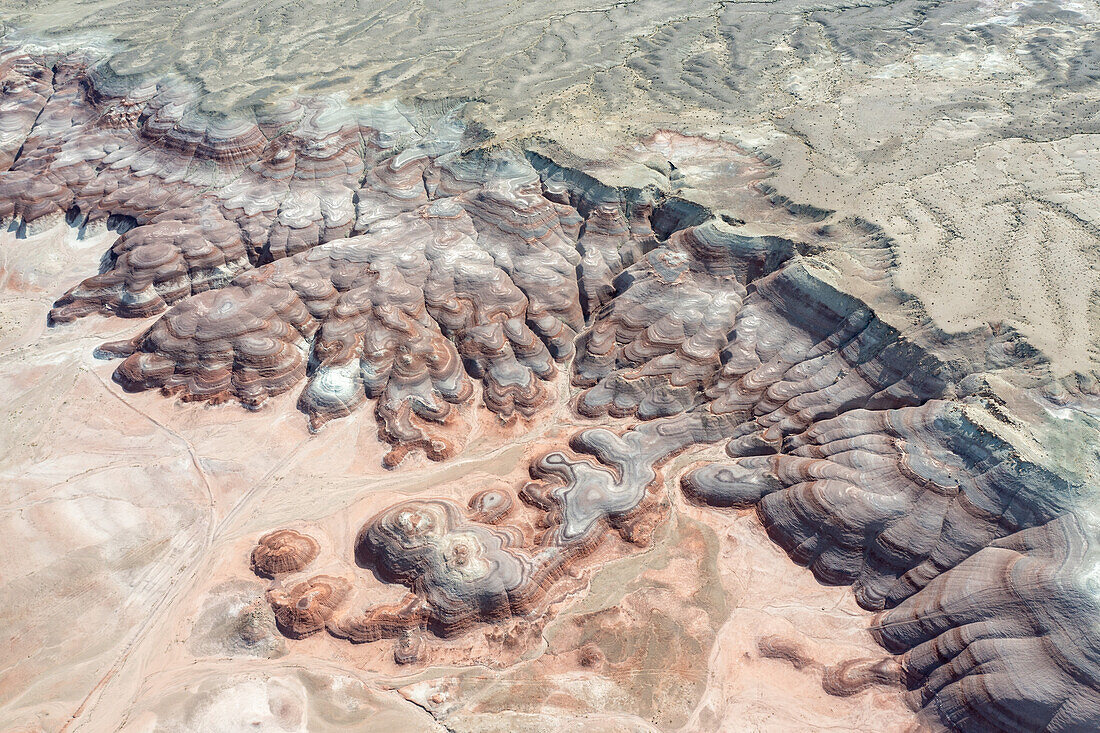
646, 366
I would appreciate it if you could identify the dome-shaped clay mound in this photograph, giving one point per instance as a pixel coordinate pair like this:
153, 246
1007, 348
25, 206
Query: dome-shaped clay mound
283, 551
491, 505
305, 608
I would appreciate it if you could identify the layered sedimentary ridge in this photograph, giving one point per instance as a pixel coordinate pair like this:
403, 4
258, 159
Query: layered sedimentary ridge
384, 256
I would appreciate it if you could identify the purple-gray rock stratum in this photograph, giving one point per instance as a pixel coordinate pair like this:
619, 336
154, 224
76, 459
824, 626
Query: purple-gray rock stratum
389, 256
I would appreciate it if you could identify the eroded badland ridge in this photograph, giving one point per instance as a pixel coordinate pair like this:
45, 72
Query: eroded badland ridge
541, 409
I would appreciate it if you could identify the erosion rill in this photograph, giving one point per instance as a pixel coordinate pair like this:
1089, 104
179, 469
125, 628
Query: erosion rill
387, 255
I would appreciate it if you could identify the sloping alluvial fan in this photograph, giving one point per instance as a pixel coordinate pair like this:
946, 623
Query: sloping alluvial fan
379, 255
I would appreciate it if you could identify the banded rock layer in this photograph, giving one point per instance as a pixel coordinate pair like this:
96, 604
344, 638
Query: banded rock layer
379, 254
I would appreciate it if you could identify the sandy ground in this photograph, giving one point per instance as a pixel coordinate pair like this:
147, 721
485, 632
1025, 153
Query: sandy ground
129, 521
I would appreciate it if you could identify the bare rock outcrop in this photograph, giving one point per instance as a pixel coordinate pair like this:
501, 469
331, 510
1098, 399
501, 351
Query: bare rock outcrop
208, 196
28, 84
460, 571
658, 344
283, 551
402, 315
385, 255
175, 255
1007, 639
491, 505
884, 500
305, 608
